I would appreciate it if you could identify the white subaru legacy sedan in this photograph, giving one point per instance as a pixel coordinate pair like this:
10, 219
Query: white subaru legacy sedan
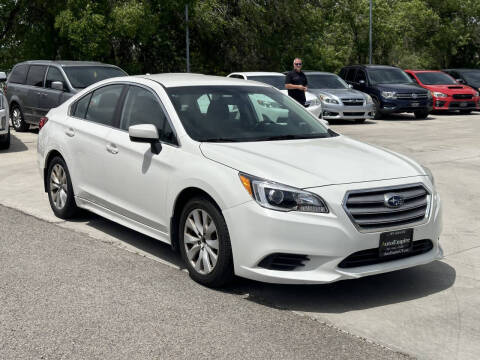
197, 161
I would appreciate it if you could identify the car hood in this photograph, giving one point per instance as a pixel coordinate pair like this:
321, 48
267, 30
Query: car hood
451, 89
401, 88
312, 162
341, 93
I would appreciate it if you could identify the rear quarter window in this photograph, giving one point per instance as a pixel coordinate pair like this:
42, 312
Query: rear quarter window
18, 74
36, 74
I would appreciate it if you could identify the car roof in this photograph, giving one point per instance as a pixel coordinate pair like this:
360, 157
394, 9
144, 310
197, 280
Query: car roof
257, 73
314, 72
66, 63
192, 79
424, 71
373, 66
461, 69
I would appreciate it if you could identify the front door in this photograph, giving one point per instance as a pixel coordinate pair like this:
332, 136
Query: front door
51, 98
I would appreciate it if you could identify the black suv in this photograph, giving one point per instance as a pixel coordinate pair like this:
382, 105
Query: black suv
34, 87
391, 89
470, 77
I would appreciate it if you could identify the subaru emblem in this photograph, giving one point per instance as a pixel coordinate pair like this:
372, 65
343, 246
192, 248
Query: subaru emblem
414, 96
393, 200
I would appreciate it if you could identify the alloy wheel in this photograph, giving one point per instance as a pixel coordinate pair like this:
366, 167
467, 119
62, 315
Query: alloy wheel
58, 186
16, 118
201, 241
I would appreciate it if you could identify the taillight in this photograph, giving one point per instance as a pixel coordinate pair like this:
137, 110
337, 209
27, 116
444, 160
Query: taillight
43, 121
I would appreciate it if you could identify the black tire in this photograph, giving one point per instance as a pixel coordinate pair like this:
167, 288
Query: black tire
222, 272
69, 208
465, 112
421, 114
5, 140
359, 121
378, 114
19, 123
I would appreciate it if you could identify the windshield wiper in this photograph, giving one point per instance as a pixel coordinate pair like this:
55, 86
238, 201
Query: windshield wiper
220, 140
290, 137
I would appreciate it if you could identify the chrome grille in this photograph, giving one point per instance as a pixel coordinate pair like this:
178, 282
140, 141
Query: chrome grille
352, 102
368, 209
411, 96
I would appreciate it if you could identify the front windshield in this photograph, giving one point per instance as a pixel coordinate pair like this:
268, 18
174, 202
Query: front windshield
326, 81
275, 81
472, 75
243, 113
388, 76
435, 78
82, 76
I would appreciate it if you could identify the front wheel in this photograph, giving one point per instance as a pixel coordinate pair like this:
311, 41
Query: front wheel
5, 140
60, 189
18, 122
421, 114
205, 243
378, 114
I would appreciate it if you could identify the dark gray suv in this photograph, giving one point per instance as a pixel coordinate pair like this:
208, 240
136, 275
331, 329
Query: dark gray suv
34, 87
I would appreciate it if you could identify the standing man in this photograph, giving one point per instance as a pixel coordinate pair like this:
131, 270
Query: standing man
296, 82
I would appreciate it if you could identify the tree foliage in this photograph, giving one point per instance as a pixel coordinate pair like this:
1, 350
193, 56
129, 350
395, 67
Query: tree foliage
234, 35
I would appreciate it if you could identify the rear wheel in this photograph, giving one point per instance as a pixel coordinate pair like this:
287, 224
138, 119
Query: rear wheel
421, 114
18, 122
5, 140
465, 112
60, 190
205, 243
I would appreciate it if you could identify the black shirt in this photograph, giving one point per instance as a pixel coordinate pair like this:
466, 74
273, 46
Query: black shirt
297, 78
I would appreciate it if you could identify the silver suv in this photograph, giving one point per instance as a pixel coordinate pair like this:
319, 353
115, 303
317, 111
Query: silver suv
339, 100
34, 87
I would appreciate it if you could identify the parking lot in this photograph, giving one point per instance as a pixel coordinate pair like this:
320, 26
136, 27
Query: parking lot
429, 312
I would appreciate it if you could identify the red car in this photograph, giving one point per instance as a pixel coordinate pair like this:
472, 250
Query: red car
447, 93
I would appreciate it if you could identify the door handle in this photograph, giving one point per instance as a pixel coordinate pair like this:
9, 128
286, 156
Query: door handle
70, 132
112, 149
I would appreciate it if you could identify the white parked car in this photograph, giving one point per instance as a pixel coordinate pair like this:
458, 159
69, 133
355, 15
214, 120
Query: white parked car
4, 118
277, 80
194, 161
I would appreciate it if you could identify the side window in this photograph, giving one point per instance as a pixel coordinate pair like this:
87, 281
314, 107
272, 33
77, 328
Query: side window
143, 107
82, 106
351, 74
342, 73
360, 76
35, 76
411, 77
54, 74
103, 104
237, 77
19, 74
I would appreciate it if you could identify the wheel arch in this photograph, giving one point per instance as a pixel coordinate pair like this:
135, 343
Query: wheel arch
53, 153
182, 198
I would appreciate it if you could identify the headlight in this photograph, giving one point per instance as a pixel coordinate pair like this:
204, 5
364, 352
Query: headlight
428, 172
429, 95
389, 94
476, 94
329, 99
439, 94
280, 197
369, 99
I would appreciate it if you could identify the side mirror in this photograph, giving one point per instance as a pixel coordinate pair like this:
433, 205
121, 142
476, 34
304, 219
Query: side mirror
361, 82
3, 76
146, 133
57, 85
460, 81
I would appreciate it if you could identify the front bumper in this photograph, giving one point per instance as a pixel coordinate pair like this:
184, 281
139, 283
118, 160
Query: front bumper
326, 239
450, 104
341, 111
390, 106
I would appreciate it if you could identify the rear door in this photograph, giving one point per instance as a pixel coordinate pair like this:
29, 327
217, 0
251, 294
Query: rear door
92, 118
35, 79
51, 98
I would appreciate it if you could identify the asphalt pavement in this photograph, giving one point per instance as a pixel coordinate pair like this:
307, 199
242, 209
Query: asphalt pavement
430, 312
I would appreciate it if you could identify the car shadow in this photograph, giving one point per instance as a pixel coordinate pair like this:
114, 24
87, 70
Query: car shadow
351, 122
343, 296
131, 237
340, 297
405, 117
16, 145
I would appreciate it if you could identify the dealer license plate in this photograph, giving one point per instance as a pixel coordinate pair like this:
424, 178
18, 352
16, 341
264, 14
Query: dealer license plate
464, 104
396, 243
415, 104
